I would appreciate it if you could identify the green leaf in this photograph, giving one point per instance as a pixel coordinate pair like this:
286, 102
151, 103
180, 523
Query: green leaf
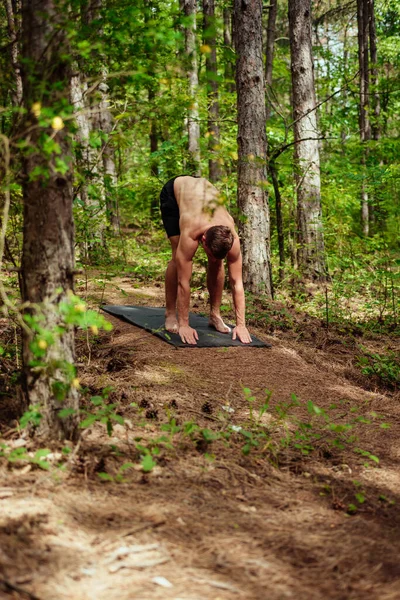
126, 466
66, 412
148, 463
88, 422
96, 400
105, 476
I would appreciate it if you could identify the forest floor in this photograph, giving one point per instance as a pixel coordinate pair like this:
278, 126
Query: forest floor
307, 514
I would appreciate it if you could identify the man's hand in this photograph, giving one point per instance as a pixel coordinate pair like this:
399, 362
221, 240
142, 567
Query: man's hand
242, 334
188, 335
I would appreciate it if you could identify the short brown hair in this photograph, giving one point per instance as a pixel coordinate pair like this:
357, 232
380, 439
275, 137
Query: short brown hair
219, 240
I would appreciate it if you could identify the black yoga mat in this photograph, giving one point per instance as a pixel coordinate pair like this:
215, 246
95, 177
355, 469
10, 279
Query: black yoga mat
152, 319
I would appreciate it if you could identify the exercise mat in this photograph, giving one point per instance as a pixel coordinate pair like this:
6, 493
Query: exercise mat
152, 319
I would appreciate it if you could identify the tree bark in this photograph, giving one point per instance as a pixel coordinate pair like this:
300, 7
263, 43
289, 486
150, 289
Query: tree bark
88, 165
269, 53
229, 70
189, 9
48, 232
106, 123
209, 35
103, 121
14, 50
152, 93
364, 121
310, 237
252, 146
279, 221
374, 72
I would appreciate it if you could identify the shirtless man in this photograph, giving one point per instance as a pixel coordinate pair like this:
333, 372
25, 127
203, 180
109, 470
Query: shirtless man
192, 214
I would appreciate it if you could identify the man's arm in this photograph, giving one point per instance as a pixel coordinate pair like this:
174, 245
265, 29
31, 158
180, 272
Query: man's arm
236, 281
183, 258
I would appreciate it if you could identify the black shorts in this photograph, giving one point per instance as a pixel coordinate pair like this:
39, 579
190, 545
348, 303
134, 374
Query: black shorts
170, 209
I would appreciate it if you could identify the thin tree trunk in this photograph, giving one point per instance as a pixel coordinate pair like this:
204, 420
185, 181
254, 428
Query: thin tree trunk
229, 69
189, 9
88, 163
153, 137
344, 93
103, 120
252, 146
152, 92
12, 30
212, 90
310, 237
364, 122
106, 122
374, 72
48, 232
279, 220
269, 53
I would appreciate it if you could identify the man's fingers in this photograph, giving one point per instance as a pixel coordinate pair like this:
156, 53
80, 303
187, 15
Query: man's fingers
188, 335
242, 335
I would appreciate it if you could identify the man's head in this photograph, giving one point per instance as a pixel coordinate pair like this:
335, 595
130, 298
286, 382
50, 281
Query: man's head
219, 240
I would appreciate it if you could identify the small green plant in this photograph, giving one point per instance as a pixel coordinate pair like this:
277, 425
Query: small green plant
32, 417
119, 477
385, 367
18, 455
319, 432
102, 413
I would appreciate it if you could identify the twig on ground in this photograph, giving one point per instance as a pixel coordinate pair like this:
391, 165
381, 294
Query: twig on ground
201, 414
143, 528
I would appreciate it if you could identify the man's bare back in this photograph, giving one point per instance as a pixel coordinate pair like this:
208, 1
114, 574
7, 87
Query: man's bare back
200, 206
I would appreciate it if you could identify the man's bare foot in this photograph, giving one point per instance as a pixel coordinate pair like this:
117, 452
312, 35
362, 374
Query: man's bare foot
218, 324
171, 324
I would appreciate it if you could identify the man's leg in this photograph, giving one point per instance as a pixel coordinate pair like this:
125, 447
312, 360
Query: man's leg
171, 289
215, 285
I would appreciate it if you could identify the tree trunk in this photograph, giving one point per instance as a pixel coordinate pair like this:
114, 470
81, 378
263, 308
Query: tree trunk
92, 236
310, 237
103, 121
152, 93
364, 122
374, 72
108, 157
279, 221
48, 233
189, 9
269, 53
229, 71
344, 93
252, 146
212, 90
154, 171
12, 30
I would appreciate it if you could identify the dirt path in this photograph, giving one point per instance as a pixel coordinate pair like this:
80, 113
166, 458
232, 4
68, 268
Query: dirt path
235, 527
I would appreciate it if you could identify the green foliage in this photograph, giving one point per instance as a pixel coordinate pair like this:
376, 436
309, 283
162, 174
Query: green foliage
32, 417
386, 368
21, 455
102, 412
119, 477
